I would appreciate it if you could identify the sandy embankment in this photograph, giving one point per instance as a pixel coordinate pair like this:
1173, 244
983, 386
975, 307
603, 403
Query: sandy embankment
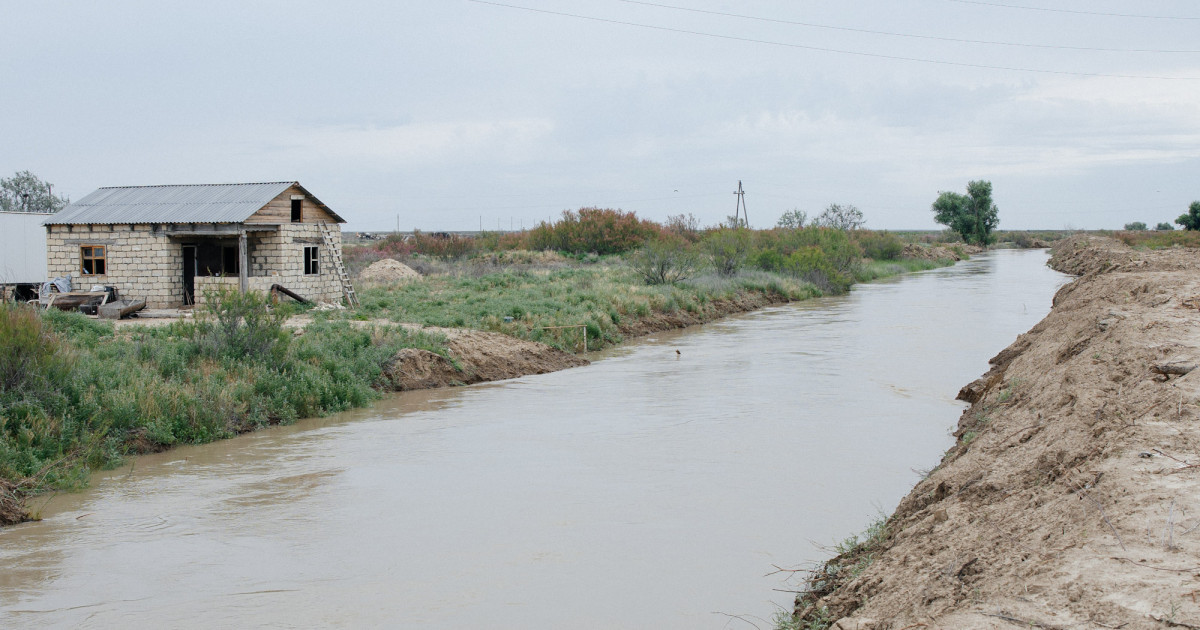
1072, 497
487, 356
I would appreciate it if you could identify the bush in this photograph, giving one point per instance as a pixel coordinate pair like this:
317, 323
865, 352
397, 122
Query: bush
727, 249
664, 261
686, 227
32, 359
813, 265
879, 245
1136, 226
594, 230
236, 325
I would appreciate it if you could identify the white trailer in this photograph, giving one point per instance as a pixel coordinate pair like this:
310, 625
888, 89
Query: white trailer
22, 251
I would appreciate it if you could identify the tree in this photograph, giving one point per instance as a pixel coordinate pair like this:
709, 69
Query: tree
972, 215
840, 217
1191, 220
1136, 226
24, 192
793, 219
1164, 227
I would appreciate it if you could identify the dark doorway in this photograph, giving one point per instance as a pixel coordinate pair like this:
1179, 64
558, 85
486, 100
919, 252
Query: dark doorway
189, 274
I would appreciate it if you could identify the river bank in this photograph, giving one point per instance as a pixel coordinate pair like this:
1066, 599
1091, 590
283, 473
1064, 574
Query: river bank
540, 501
109, 392
1070, 498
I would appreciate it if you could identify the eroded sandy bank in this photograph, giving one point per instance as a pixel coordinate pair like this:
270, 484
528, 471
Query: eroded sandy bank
487, 356
1069, 499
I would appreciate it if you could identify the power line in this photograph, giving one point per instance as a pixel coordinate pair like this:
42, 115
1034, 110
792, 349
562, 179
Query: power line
908, 35
1077, 12
941, 62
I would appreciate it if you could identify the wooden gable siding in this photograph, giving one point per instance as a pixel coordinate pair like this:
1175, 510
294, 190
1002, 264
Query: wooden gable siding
279, 210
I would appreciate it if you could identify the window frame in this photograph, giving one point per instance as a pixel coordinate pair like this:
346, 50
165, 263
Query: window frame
312, 263
92, 258
297, 210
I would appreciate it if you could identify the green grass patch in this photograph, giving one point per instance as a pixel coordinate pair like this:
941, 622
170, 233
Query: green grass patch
877, 269
530, 304
90, 397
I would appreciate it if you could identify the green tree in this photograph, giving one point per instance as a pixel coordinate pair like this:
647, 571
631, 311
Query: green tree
972, 215
1164, 227
793, 219
24, 192
840, 217
1136, 226
1191, 220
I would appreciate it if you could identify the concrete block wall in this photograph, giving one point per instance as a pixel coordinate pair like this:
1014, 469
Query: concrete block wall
140, 262
278, 258
143, 262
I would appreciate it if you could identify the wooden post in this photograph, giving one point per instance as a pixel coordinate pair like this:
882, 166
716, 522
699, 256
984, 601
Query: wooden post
243, 267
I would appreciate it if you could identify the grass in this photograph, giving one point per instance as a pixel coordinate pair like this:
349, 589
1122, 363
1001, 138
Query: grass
152, 388
526, 303
1159, 240
854, 555
878, 269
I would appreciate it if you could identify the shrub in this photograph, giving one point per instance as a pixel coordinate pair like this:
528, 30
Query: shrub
32, 359
686, 227
237, 325
664, 261
879, 245
812, 264
1136, 226
594, 230
442, 244
727, 249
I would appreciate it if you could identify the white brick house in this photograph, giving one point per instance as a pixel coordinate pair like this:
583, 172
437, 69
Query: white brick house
169, 244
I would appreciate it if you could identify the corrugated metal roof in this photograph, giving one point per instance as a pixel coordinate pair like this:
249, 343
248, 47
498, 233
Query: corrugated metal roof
193, 203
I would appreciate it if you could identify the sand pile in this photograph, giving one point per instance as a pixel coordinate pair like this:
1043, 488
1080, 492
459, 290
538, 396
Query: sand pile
388, 271
1072, 496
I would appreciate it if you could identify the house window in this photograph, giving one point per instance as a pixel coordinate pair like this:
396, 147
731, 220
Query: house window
92, 260
296, 210
312, 261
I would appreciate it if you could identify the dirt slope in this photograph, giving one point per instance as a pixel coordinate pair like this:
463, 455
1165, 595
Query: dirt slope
1069, 500
482, 356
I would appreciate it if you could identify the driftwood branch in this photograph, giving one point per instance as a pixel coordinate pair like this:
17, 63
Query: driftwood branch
1021, 622
1174, 368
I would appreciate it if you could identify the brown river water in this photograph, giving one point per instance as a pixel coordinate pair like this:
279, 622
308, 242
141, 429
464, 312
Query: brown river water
648, 490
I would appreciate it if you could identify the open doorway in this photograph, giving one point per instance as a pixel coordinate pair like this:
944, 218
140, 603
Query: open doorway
189, 274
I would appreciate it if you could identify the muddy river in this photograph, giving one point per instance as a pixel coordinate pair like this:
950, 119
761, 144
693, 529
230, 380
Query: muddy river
656, 488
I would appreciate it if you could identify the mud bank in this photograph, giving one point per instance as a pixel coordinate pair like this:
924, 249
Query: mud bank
1072, 496
478, 356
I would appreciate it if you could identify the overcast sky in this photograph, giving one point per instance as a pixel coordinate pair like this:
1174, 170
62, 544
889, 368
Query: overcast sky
445, 114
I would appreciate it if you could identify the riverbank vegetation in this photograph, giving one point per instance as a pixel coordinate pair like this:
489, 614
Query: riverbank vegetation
78, 394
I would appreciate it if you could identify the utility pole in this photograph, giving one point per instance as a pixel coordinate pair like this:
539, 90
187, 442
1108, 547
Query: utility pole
740, 208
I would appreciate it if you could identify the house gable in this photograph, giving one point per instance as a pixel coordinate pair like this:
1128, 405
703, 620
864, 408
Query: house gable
279, 209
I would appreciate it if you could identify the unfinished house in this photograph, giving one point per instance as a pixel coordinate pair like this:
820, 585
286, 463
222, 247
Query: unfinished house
170, 245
